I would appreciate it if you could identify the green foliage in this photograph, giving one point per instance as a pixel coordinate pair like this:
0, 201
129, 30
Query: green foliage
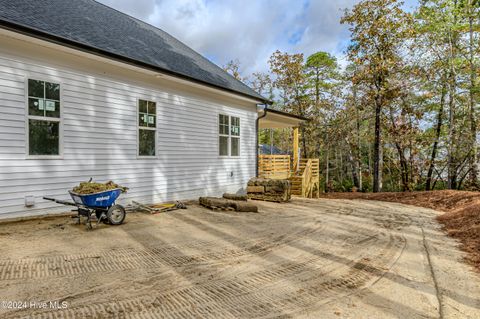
414, 76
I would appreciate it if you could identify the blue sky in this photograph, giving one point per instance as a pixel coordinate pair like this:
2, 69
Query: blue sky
248, 30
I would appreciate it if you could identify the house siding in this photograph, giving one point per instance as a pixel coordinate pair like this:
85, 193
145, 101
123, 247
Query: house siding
99, 118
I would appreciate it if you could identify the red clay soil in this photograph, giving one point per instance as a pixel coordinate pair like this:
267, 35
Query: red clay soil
461, 219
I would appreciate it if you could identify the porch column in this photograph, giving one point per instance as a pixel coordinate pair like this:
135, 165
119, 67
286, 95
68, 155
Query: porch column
295, 149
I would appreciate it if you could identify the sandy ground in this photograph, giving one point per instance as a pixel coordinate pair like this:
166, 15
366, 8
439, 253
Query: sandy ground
306, 259
461, 218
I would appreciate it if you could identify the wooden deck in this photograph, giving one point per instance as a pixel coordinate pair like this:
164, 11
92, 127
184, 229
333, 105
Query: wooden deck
305, 180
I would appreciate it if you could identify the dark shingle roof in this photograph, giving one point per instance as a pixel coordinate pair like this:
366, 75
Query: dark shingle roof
94, 27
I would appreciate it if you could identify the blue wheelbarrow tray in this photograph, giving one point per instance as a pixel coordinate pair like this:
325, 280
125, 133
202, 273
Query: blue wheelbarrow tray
97, 200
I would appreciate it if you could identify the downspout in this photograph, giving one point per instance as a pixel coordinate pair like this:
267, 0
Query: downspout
256, 137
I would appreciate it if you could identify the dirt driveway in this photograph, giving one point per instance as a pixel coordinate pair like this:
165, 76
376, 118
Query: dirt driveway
307, 259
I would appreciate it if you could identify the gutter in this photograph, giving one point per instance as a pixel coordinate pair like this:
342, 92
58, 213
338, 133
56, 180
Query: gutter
288, 114
265, 110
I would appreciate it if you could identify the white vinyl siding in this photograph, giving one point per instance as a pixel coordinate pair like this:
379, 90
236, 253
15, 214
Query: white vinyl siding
100, 131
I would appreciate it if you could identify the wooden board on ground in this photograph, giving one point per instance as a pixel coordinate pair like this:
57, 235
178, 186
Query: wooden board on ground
158, 208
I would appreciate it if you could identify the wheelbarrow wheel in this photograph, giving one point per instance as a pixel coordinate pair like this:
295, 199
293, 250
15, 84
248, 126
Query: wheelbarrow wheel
116, 215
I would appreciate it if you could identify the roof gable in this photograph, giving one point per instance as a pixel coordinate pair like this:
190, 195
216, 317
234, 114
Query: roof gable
103, 30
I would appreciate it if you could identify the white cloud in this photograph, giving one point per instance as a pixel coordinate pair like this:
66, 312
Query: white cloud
248, 30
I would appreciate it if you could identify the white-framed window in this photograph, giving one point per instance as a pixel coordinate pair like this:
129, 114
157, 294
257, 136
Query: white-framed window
44, 123
147, 128
223, 132
234, 136
228, 135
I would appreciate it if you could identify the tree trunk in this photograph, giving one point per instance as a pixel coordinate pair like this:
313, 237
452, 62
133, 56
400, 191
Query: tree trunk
473, 122
377, 149
337, 166
340, 157
304, 143
360, 180
438, 131
353, 164
358, 156
317, 88
327, 168
403, 168
370, 169
452, 149
452, 169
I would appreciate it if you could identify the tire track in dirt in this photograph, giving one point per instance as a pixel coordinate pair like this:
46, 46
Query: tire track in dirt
227, 299
316, 276
134, 258
232, 299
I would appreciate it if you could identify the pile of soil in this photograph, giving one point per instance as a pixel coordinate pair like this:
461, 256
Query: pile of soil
461, 219
91, 187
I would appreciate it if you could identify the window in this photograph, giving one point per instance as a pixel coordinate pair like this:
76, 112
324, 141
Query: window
43, 118
229, 135
235, 136
223, 131
147, 127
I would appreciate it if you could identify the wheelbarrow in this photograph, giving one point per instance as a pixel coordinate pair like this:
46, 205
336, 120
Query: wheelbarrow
99, 206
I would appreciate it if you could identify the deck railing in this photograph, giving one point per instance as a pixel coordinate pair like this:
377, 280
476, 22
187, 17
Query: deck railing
274, 166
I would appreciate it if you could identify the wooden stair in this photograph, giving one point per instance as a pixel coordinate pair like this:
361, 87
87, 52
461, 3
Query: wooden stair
306, 181
296, 182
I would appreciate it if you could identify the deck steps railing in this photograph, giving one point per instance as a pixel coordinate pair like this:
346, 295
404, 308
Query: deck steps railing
306, 181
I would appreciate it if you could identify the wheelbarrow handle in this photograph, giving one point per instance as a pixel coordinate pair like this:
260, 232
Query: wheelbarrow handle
63, 202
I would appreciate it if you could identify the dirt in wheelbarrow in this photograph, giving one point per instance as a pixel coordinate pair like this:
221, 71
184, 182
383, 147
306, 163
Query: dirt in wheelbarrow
90, 187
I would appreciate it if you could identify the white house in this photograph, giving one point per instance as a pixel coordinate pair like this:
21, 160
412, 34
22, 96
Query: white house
87, 91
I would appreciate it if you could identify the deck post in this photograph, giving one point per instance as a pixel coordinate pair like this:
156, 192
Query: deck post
295, 149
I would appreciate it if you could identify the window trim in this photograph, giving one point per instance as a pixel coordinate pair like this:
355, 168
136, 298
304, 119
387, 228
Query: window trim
224, 135
235, 136
28, 117
138, 128
229, 137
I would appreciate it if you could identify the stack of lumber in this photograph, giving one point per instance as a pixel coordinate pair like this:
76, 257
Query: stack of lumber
272, 190
215, 203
